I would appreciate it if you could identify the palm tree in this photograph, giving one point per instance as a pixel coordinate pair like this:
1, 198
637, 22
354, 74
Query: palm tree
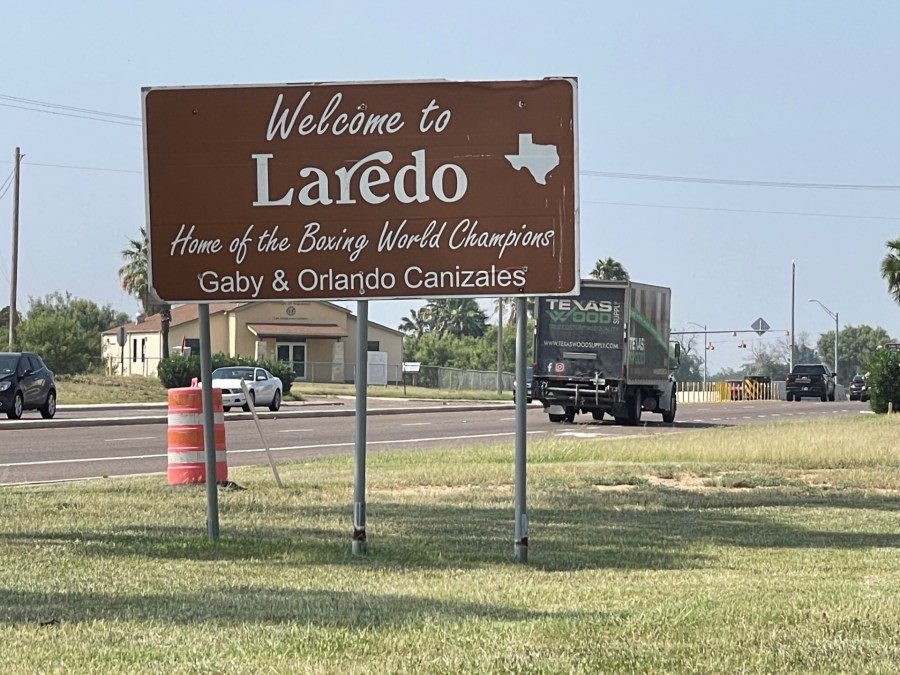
416, 324
457, 317
510, 308
134, 278
890, 269
609, 269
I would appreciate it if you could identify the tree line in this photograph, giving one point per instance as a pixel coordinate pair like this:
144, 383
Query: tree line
454, 332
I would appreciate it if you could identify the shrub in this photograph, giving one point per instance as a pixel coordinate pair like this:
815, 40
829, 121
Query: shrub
883, 380
178, 371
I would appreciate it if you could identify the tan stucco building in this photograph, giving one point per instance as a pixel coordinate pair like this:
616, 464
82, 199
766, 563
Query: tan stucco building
317, 338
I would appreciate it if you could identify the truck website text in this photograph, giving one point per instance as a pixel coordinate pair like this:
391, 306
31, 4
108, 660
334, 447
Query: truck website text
581, 345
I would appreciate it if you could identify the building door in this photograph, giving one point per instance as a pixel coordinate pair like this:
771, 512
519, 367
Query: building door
295, 354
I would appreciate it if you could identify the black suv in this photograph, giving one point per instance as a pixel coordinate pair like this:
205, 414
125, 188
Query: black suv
26, 384
810, 380
859, 390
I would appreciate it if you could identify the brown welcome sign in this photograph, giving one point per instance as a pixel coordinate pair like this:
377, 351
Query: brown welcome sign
359, 191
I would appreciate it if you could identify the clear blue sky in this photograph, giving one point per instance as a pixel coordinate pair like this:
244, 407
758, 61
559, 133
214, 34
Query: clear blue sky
782, 92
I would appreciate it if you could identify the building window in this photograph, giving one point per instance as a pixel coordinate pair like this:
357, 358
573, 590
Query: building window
134, 349
374, 346
295, 354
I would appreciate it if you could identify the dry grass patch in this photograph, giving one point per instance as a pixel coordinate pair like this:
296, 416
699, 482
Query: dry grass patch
98, 388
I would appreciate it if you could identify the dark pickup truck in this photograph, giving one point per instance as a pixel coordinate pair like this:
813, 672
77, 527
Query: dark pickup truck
810, 380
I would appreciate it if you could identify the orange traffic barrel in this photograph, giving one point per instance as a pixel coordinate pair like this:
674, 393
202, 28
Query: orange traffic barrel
187, 459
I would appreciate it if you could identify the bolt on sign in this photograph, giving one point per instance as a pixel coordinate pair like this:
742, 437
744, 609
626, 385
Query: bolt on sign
358, 191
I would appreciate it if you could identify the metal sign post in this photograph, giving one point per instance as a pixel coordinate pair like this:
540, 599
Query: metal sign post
209, 432
520, 549
359, 451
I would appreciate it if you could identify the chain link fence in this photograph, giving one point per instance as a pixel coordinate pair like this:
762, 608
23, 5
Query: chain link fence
322, 372
457, 379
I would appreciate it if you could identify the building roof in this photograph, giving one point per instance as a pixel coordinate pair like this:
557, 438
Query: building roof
297, 330
180, 314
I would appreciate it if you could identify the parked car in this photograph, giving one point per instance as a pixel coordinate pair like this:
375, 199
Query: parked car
264, 387
859, 390
529, 378
26, 384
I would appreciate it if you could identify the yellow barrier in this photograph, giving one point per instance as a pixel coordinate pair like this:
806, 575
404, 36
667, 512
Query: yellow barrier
730, 390
751, 390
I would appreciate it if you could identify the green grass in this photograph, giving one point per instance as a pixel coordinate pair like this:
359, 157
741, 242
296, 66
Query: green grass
755, 549
92, 388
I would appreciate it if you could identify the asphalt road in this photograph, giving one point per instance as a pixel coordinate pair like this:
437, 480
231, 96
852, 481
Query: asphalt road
88, 443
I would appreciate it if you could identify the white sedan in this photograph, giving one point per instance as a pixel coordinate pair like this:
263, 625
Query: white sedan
264, 387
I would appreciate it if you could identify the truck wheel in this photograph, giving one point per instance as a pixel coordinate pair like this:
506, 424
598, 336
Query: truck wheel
597, 415
570, 414
634, 409
669, 415
556, 418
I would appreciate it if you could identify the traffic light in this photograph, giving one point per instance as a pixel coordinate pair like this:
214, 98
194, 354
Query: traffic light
711, 346
742, 345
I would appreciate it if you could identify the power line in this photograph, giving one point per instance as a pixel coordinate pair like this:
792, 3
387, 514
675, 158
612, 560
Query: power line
5, 187
60, 106
83, 168
774, 213
84, 117
730, 181
6, 183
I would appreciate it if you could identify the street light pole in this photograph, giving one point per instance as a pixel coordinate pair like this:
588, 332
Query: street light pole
833, 315
705, 353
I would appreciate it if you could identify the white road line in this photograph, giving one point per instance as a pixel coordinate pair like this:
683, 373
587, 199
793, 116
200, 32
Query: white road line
79, 460
82, 479
415, 424
132, 438
291, 431
317, 446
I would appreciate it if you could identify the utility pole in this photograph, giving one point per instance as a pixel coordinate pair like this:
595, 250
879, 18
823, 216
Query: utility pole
793, 292
15, 251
